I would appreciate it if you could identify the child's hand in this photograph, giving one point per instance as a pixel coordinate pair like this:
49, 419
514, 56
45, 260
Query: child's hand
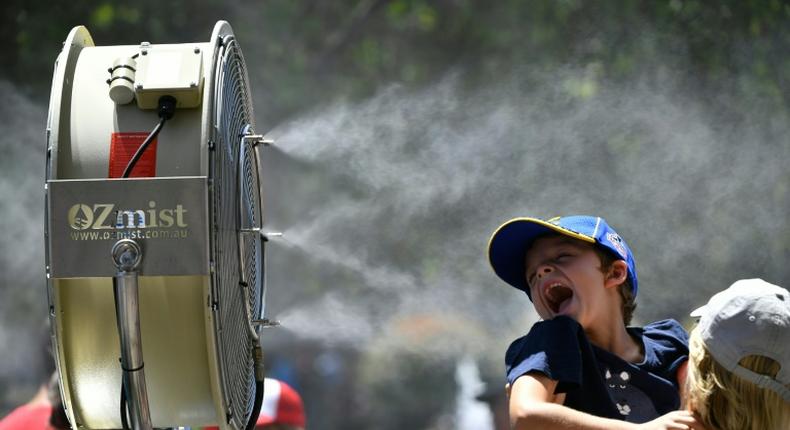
682, 420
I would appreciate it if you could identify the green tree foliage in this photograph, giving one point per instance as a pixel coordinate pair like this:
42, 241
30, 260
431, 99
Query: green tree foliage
34, 31
312, 51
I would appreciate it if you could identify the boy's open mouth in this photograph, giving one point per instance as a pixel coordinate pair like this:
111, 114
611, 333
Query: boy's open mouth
556, 294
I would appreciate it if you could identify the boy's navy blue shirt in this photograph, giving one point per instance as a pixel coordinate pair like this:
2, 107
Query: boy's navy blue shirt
598, 382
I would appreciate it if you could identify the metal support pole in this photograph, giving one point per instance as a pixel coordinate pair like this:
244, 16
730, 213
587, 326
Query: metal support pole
126, 255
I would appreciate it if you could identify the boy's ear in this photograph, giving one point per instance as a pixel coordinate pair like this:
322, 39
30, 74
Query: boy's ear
617, 274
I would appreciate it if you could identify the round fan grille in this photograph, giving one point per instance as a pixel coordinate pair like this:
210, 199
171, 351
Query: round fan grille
237, 280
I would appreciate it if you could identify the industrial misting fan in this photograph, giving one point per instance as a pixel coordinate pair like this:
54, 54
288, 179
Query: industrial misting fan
154, 247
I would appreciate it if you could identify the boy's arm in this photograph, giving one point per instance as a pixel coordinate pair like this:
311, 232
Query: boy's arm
533, 404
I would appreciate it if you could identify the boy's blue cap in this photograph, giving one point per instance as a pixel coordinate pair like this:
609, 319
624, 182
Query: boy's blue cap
507, 248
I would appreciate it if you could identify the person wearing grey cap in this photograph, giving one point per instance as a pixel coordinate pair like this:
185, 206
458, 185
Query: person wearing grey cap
739, 366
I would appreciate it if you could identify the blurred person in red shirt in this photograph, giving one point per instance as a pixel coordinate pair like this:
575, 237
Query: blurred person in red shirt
282, 408
45, 410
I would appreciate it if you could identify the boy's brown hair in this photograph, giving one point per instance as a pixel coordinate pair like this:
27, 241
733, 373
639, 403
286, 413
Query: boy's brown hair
627, 299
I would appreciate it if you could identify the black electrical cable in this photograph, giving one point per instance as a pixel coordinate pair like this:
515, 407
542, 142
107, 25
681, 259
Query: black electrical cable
124, 411
256, 407
166, 109
142, 148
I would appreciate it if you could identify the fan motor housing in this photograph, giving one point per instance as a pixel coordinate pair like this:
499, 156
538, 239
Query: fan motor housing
187, 212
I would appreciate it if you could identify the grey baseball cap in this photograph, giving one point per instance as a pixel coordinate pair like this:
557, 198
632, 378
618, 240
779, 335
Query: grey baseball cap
751, 317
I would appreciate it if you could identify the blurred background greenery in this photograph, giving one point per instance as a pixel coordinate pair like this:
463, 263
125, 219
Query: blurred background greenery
670, 118
308, 52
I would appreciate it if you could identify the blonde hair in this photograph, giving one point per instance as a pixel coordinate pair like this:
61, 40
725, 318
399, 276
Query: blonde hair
723, 401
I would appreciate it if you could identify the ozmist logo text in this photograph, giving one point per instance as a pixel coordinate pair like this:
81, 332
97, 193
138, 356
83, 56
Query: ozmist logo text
104, 216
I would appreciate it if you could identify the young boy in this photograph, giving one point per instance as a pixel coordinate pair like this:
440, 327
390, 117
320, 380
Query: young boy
582, 366
739, 370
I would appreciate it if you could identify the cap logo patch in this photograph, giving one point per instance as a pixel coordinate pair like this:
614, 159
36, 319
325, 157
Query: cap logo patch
617, 242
